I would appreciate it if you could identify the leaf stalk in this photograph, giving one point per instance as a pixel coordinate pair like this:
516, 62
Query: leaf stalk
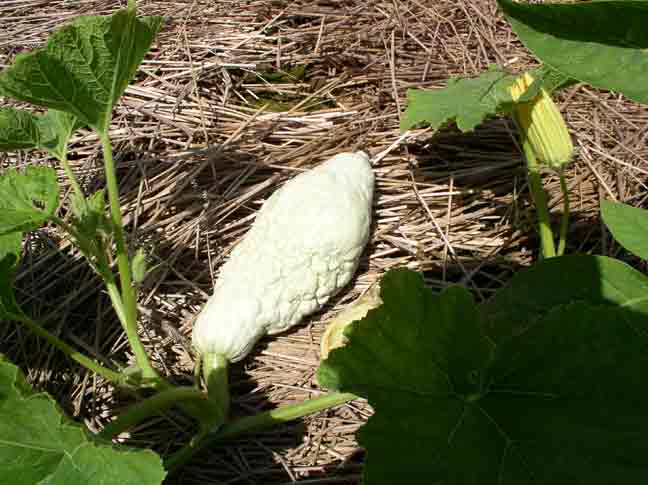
108, 374
127, 288
155, 404
254, 423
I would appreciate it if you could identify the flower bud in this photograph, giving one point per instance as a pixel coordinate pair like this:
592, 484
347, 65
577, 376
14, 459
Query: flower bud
541, 123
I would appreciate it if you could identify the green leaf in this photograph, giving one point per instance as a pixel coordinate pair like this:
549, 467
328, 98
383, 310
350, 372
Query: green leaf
409, 357
40, 445
544, 78
550, 79
629, 226
9, 259
602, 43
57, 128
558, 281
23, 130
18, 130
85, 67
466, 101
27, 199
469, 101
563, 402
568, 402
10, 250
433, 331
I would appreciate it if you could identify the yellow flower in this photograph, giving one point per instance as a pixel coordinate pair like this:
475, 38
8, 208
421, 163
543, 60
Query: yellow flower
540, 121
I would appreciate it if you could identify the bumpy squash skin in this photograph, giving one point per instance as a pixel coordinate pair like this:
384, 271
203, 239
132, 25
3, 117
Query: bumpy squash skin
303, 247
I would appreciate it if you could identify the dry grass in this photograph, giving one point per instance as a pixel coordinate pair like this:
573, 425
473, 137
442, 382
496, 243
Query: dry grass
197, 156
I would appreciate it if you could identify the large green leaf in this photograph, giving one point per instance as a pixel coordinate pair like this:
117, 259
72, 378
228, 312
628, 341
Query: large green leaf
27, 199
563, 402
465, 101
567, 399
629, 226
558, 281
603, 42
40, 445
23, 130
410, 357
85, 67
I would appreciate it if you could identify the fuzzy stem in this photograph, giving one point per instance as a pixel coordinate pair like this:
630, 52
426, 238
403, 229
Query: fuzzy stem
256, 423
123, 264
564, 222
84, 360
153, 405
540, 200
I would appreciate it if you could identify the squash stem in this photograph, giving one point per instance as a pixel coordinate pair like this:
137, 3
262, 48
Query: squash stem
214, 368
254, 423
123, 264
156, 404
539, 199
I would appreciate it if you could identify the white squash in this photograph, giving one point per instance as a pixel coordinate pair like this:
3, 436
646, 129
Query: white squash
303, 247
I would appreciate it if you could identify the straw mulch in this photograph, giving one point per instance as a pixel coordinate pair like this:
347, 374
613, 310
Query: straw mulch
235, 98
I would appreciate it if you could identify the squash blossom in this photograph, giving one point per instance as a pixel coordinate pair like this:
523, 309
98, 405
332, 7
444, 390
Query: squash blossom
540, 121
